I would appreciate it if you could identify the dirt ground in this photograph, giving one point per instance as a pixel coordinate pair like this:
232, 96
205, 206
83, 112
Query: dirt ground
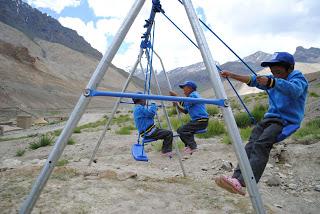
119, 184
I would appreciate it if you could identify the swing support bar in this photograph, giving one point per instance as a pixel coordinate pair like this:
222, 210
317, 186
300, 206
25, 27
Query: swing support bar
218, 102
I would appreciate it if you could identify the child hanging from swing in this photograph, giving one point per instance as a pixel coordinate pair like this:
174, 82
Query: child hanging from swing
287, 97
197, 112
144, 122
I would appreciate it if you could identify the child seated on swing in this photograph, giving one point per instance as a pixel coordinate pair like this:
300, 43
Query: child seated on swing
287, 97
197, 112
144, 122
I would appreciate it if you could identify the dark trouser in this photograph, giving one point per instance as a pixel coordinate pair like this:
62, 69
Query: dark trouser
258, 148
164, 134
187, 131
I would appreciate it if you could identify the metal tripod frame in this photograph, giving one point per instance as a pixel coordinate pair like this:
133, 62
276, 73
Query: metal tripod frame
98, 75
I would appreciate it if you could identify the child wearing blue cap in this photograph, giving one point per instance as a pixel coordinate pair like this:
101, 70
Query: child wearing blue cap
197, 112
288, 91
144, 122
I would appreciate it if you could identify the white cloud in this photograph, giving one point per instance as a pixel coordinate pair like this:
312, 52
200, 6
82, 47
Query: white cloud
110, 8
55, 5
246, 26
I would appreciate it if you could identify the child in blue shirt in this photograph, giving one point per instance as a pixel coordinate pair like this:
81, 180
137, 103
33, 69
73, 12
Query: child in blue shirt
197, 112
144, 122
288, 91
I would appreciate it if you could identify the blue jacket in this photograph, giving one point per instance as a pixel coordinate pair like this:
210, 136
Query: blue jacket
143, 116
195, 110
287, 97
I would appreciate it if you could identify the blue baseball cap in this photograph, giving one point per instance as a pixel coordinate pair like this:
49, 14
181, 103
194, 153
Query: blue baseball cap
279, 57
191, 84
137, 99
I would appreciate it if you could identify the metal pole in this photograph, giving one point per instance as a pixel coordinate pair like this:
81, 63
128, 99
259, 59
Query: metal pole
168, 121
169, 84
227, 113
79, 109
115, 108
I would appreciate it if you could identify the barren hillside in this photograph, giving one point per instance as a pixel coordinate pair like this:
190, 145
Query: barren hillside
36, 74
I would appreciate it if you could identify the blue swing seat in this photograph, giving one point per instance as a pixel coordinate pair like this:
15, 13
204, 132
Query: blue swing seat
138, 153
287, 131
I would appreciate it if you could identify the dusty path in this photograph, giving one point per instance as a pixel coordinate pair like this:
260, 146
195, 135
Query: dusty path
118, 184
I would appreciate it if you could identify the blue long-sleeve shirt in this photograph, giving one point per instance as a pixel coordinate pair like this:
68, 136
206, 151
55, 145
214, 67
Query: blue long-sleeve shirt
144, 116
287, 97
195, 110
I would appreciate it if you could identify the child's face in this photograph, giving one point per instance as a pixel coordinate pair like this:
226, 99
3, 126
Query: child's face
187, 90
279, 71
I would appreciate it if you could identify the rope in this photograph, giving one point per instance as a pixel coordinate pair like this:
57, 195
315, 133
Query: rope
274, 103
243, 104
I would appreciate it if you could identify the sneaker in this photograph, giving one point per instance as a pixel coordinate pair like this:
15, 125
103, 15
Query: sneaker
230, 184
189, 151
167, 154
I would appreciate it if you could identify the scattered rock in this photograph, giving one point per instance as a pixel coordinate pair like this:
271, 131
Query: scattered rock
4, 169
287, 165
126, 175
109, 174
269, 165
204, 169
317, 188
278, 205
281, 175
226, 165
91, 177
86, 174
273, 181
293, 186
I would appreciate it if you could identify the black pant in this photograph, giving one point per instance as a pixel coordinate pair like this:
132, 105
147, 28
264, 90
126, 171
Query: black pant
164, 134
258, 148
186, 132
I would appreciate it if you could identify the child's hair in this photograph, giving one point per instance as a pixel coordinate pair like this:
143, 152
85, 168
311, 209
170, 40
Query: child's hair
289, 67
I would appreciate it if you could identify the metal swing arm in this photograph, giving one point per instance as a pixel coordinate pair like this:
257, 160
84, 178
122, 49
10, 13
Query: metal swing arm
218, 102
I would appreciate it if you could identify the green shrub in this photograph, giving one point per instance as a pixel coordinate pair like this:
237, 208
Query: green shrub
235, 105
215, 128
313, 94
212, 110
62, 162
125, 130
44, 140
309, 132
77, 130
259, 111
243, 120
71, 141
96, 124
176, 123
20, 152
244, 133
122, 119
172, 111
57, 132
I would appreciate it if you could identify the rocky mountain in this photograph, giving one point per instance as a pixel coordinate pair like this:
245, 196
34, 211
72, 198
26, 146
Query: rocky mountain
36, 24
196, 72
41, 70
311, 55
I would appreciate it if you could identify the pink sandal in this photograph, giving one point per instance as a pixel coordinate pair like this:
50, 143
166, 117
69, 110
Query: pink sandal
167, 154
189, 151
230, 184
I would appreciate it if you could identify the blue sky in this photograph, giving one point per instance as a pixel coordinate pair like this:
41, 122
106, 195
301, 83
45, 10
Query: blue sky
247, 26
